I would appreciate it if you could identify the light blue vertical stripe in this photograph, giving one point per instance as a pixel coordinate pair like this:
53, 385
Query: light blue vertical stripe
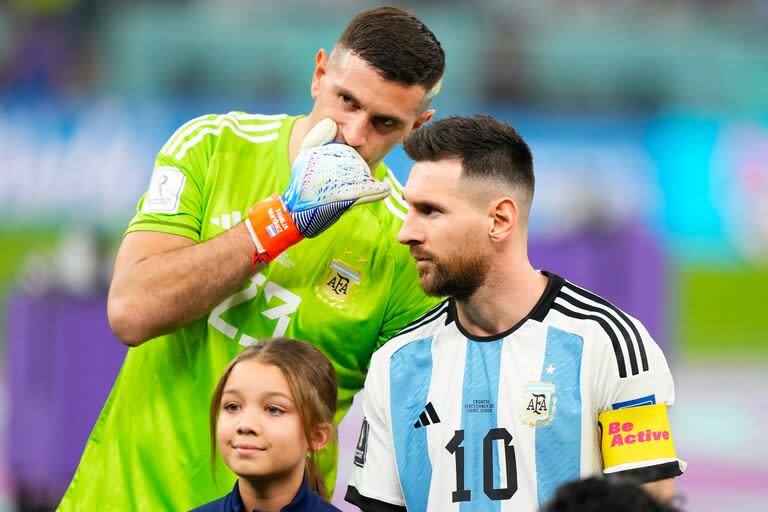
410, 373
558, 445
479, 405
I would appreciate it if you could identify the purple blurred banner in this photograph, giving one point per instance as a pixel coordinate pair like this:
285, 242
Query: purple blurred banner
624, 265
62, 362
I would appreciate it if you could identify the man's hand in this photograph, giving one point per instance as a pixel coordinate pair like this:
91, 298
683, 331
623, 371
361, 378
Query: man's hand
326, 181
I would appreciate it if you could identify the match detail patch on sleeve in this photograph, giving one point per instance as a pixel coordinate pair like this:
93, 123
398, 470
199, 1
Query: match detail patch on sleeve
165, 188
635, 434
362, 445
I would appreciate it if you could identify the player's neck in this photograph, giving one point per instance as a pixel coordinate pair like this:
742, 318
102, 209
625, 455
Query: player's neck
507, 296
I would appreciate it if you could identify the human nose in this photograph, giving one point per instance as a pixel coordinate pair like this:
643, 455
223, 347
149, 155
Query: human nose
248, 423
354, 130
409, 233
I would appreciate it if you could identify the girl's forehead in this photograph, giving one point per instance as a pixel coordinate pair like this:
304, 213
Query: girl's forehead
255, 375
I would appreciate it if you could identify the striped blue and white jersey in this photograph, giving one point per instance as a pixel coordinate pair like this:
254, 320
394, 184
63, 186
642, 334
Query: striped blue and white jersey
455, 422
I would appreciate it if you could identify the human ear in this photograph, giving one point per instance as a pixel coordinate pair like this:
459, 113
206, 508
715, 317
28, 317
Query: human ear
321, 69
423, 118
503, 216
322, 436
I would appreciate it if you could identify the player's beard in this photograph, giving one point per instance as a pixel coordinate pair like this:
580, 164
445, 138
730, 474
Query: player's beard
458, 275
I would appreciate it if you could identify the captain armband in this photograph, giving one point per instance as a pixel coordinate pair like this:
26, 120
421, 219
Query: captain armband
636, 437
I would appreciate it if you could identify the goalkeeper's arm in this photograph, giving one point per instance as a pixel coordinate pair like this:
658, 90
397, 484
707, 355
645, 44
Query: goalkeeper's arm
162, 282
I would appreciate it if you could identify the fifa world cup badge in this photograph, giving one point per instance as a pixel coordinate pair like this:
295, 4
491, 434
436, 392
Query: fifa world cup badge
537, 407
339, 283
164, 192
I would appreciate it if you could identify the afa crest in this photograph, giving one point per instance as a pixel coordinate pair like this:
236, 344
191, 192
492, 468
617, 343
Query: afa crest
537, 407
339, 283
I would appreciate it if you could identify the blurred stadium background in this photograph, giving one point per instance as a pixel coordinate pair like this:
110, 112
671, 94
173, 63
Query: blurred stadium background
649, 126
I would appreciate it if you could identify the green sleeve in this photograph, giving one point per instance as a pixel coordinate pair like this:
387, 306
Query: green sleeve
174, 200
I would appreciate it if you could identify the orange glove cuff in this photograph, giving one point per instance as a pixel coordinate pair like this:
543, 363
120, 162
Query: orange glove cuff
271, 228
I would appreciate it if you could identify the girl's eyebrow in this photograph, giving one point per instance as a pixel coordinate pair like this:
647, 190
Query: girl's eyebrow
231, 391
279, 394
268, 394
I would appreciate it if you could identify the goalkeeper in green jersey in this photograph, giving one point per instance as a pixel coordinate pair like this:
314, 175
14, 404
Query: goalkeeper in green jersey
240, 236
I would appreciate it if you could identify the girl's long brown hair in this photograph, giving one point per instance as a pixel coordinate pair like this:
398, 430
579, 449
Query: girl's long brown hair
314, 387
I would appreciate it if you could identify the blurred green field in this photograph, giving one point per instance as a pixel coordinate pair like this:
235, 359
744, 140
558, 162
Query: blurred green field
722, 313
16, 245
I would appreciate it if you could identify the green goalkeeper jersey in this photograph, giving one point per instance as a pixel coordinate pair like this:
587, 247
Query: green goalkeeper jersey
347, 292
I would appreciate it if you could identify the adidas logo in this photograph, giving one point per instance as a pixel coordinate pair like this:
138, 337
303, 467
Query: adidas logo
426, 415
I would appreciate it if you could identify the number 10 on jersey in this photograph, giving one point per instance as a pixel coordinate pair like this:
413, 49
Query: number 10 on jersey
505, 492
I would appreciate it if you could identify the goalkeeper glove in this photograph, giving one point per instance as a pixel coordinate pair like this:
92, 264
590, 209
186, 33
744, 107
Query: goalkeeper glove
326, 180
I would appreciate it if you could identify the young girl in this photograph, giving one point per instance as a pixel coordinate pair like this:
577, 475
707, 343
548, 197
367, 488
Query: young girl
271, 411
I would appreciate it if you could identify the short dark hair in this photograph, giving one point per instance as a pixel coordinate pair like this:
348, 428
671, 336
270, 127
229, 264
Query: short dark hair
397, 44
487, 148
597, 494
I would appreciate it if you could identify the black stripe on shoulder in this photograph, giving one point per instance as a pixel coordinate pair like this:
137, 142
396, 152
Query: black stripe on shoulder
426, 318
620, 313
615, 321
542, 307
650, 473
604, 324
369, 504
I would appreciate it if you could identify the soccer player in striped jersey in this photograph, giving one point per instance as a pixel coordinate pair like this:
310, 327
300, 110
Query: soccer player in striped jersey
518, 382
187, 294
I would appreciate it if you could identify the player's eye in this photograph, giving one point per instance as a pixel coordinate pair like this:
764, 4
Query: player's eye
385, 124
274, 410
347, 100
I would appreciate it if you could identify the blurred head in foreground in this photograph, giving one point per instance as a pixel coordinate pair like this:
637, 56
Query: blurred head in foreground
604, 495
